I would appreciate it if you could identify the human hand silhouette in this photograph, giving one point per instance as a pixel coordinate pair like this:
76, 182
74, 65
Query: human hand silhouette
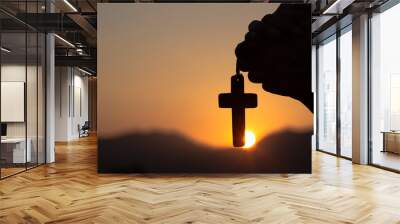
277, 52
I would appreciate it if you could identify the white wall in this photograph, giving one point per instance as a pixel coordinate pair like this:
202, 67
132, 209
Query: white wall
62, 81
33, 127
71, 86
16, 73
80, 84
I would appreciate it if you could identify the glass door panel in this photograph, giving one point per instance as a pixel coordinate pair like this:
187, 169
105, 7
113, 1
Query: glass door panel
327, 96
385, 89
346, 94
14, 153
41, 98
31, 100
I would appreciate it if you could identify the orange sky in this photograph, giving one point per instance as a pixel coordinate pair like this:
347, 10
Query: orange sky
162, 66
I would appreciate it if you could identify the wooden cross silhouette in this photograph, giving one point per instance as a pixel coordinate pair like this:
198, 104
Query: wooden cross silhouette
238, 101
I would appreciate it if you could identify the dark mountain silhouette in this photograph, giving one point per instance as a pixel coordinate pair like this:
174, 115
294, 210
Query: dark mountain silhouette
166, 152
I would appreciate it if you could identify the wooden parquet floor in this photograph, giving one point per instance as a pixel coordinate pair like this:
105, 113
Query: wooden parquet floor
70, 191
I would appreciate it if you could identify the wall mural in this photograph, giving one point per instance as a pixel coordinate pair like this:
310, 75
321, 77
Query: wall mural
204, 88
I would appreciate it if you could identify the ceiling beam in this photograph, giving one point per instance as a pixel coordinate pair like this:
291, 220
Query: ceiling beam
81, 61
85, 25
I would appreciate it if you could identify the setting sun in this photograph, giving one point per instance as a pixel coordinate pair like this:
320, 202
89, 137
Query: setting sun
249, 139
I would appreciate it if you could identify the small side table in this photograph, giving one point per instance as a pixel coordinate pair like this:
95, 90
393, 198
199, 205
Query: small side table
391, 141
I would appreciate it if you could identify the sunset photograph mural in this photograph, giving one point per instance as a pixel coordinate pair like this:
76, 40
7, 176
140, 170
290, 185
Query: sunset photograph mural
167, 97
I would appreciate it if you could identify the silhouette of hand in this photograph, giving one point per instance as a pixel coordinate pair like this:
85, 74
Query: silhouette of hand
276, 53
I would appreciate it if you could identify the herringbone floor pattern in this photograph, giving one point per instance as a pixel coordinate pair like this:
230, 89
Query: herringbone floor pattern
70, 191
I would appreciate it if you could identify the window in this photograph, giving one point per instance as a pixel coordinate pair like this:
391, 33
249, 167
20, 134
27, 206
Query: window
345, 92
327, 95
334, 106
22, 88
385, 89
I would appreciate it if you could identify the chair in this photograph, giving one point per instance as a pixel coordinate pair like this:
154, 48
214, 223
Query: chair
84, 130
